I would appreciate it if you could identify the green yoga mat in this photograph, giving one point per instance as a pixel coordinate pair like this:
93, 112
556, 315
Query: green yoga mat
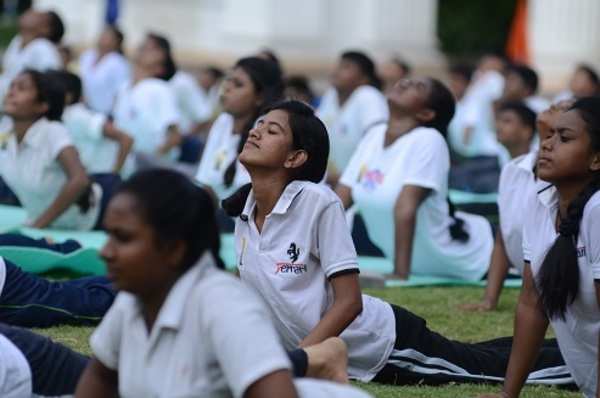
88, 261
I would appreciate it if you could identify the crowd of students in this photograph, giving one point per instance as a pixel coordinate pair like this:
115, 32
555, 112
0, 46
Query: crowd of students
165, 161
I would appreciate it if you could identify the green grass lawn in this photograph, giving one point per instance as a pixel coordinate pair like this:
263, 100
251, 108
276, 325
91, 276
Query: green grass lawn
439, 307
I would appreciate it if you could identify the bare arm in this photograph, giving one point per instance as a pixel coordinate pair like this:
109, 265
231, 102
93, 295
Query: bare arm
495, 280
531, 324
405, 218
347, 305
345, 194
124, 140
276, 384
97, 381
77, 183
173, 139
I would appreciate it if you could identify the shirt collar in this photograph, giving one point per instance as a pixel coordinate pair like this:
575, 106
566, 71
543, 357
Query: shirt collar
283, 203
171, 313
547, 194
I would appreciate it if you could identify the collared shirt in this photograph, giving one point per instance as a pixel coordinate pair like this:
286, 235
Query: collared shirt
347, 124
86, 127
145, 111
192, 101
32, 171
305, 241
577, 334
15, 375
517, 181
102, 78
377, 175
212, 338
220, 151
40, 54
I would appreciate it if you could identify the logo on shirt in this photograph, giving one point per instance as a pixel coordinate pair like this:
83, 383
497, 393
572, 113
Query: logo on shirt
4, 140
371, 179
291, 267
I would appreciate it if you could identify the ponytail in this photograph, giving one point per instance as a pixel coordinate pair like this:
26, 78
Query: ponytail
457, 229
558, 278
234, 205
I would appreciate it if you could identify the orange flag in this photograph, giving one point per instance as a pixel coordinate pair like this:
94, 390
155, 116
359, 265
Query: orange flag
516, 46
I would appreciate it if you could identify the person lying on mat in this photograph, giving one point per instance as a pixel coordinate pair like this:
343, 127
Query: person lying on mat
178, 314
294, 249
38, 161
398, 178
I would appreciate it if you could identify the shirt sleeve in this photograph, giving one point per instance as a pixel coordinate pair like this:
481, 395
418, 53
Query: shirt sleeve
590, 234
207, 159
58, 139
334, 241
167, 113
244, 340
373, 109
105, 342
428, 163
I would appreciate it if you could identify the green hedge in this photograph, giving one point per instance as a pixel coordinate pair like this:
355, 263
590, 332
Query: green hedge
468, 28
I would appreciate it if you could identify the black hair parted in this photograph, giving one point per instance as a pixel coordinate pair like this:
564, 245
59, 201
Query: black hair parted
177, 210
309, 134
558, 278
365, 64
527, 75
526, 115
49, 91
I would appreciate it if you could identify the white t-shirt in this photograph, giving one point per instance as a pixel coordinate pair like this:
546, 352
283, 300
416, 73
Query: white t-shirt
419, 157
212, 338
517, 181
15, 375
578, 334
32, 171
39, 54
192, 102
475, 110
349, 123
219, 152
102, 79
305, 241
145, 111
97, 153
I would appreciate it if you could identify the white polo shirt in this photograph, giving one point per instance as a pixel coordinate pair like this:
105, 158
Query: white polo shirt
192, 102
420, 157
305, 241
219, 152
32, 171
145, 111
15, 375
102, 79
39, 54
347, 124
86, 127
212, 338
578, 334
517, 181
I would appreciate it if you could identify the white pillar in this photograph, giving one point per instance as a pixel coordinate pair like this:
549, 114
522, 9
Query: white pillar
563, 34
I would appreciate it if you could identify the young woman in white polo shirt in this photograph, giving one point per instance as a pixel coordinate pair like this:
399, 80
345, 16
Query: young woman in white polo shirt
295, 250
400, 172
251, 85
561, 246
39, 162
179, 326
350, 107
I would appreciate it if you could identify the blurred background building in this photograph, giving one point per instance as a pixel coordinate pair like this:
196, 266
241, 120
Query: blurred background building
554, 35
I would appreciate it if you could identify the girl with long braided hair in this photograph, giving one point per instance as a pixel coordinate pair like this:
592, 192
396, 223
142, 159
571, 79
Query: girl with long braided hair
561, 245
